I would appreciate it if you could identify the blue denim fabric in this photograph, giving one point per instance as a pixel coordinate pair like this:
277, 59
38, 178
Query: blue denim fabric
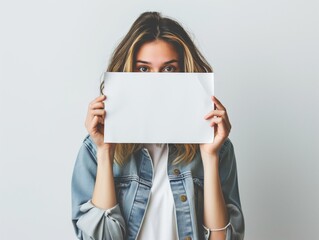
133, 183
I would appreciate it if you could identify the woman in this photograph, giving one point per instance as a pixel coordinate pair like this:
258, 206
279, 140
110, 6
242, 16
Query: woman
156, 191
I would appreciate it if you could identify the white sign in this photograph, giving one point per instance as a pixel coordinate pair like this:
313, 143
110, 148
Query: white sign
158, 107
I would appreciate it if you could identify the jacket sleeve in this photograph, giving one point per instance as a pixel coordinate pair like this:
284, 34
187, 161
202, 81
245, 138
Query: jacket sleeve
90, 222
229, 182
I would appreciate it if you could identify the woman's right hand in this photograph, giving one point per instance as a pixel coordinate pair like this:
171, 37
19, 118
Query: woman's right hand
94, 123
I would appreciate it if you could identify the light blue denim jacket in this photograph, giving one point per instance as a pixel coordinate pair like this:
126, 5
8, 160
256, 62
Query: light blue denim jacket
133, 183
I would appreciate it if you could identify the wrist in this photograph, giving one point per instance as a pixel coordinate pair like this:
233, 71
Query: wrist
105, 155
210, 159
106, 148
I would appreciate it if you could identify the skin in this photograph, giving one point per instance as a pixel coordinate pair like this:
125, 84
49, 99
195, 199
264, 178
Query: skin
160, 56
157, 56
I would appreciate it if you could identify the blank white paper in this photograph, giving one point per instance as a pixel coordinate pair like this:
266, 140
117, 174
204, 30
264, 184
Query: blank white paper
158, 107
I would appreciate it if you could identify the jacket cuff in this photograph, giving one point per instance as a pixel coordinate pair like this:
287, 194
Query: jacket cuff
235, 228
96, 222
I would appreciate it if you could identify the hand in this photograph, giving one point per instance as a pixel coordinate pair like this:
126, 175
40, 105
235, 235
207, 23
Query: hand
94, 123
219, 119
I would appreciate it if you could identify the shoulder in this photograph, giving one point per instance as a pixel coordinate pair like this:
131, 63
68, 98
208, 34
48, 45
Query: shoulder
85, 164
227, 160
226, 147
87, 150
89, 144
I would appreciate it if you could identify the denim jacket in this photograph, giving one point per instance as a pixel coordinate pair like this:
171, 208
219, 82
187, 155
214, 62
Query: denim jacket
133, 183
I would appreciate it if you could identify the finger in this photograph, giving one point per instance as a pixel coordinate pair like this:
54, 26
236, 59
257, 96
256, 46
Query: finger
97, 105
218, 104
215, 121
98, 99
222, 124
218, 113
101, 121
101, 97
96, 123
93, 124
98, 112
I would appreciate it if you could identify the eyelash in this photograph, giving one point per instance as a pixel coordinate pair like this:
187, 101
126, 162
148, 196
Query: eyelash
173, 68
139, 68
170, 66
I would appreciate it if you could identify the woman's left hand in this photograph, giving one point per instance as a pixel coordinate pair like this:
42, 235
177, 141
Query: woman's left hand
219, 119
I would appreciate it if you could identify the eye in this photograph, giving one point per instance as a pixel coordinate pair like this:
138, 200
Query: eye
142, 69
169, 68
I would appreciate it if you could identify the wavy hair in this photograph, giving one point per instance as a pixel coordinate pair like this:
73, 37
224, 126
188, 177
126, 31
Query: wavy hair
150, 26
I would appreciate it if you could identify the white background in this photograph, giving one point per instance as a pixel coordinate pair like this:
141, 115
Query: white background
265, 58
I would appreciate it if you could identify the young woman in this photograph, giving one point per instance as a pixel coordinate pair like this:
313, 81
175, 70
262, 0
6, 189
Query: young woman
156, 191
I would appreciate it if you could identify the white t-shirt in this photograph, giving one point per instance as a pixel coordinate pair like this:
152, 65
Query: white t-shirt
159, 221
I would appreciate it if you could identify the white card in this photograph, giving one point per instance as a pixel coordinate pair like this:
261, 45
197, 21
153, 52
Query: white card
158, 107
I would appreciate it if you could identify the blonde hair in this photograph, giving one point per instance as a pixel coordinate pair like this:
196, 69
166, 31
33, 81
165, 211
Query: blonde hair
150, 26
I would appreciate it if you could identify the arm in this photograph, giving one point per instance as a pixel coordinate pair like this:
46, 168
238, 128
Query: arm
95, 212
223, 217
213, 197
227, 182
91, 221
104, 190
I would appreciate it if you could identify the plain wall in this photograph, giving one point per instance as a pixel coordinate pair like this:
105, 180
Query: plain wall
265, 59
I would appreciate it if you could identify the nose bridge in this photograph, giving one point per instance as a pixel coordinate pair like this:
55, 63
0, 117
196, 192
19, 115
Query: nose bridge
155, 69
156, 65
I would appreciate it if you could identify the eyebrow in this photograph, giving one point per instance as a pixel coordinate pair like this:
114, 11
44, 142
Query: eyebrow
168, 62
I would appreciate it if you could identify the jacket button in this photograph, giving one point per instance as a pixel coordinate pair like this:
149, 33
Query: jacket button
188, 238
183, 198
176, 171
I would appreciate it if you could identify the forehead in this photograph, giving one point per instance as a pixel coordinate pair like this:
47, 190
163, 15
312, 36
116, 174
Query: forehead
156, 50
